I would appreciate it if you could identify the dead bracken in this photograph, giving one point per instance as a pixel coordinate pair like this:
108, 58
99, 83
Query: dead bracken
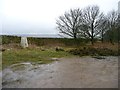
89, 51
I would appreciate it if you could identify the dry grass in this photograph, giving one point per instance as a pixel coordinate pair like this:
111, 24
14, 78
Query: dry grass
104, 45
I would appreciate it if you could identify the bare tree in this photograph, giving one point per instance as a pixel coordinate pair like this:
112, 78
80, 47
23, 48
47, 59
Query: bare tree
103, 28
68, 24
118, 23
92, 19
112, 24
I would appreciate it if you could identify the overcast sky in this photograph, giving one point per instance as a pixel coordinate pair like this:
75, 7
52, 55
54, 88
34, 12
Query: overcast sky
39, 16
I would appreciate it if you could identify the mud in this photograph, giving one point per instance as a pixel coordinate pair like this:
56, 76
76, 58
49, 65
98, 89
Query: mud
76, 72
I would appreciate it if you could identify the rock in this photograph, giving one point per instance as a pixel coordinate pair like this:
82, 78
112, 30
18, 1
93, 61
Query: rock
2, 49
59, 49
9, 49
42, 49
54, 59
98, 57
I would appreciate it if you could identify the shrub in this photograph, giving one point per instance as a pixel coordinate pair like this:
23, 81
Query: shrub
93, 51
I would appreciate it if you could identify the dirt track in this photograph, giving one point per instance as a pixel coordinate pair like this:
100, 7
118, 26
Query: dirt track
76, 72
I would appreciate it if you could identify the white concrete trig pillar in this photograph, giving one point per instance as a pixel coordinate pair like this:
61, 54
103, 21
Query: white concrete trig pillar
24, 42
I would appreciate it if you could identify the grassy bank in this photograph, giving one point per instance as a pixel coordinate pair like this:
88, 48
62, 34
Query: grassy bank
37, 56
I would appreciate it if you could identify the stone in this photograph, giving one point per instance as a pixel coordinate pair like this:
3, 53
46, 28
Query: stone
99, 57
54, 59
3, 49
59, 49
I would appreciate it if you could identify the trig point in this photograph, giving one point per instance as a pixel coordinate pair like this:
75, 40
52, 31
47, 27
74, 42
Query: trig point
24, 42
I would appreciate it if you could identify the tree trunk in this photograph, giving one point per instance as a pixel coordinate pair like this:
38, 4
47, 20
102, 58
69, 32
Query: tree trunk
102, 37
92, 38
111, 41
75, 35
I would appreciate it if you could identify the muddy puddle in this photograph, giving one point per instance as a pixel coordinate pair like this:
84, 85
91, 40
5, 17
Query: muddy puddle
76, 72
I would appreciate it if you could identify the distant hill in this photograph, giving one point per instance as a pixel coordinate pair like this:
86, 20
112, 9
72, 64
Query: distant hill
36, 35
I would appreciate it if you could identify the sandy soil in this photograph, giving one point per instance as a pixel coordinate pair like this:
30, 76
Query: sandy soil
76, 72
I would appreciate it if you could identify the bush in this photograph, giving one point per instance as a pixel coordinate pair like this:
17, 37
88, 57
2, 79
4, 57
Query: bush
10, 39
45, 41
93, 52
